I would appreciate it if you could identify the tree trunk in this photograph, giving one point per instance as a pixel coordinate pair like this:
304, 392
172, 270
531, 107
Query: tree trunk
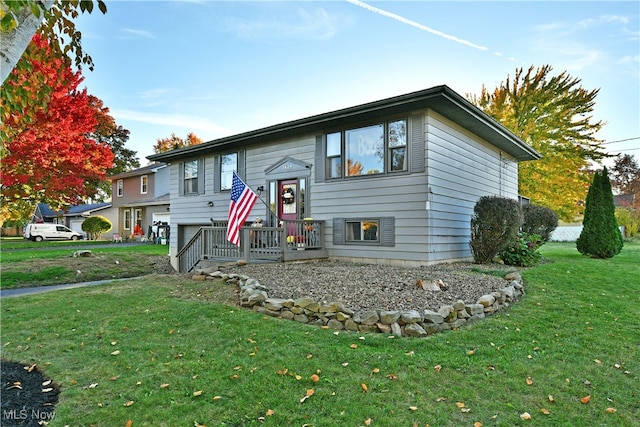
15, 42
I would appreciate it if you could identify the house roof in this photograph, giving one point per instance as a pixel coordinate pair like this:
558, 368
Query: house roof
441, 99
47, 212
163, 199
151, 168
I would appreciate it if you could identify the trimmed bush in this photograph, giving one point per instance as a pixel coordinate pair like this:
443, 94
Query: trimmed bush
539, 220
494, 224
600, 236
523, 251
94, 226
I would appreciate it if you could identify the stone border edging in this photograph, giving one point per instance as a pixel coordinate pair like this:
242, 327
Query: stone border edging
335, 315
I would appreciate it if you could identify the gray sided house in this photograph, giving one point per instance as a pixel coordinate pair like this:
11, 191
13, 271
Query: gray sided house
140, 196
393, 181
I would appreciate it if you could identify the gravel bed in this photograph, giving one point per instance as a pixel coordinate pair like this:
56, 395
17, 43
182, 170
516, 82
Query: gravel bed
364, 287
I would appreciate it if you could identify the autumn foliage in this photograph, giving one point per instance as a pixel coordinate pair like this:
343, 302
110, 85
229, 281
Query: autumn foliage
48, 154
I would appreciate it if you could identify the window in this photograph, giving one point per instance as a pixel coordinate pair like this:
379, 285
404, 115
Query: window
370, 150
397, 143
191, 177
229, 164
127, 219
362, 231
334, 155
119, 188
364, 150
144, 179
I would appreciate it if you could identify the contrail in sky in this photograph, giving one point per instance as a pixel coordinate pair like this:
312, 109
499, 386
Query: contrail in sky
415, 24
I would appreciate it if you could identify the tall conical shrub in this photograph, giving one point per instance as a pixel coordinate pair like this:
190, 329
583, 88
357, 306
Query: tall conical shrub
600, 236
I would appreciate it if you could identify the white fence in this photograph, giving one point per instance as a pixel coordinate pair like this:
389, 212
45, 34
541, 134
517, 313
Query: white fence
569, 233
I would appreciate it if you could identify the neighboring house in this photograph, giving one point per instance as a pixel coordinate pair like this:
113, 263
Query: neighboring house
74, 216
394, 181
140, 196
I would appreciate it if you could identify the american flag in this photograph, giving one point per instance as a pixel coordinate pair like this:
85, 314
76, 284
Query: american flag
242, 200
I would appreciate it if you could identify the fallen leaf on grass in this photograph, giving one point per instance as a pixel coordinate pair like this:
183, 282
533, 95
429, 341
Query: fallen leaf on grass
217, 397
128, 423
375, 370
413, 408
164, 385
364, 387
611, 410
545, 411
477, 424
198, 393
315, 378
308, 395
586, 399
437, 368
368, 421
470, 352
525, 416
460, 404
354, 346
115, 353
393, 377
269, 412
129, 403
529, 381
551, 398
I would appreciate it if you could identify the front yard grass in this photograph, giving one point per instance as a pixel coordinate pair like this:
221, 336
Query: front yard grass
167, 351
52, 263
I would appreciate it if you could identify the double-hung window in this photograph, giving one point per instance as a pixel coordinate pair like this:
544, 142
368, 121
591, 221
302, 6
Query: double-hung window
144, 183
119, 188
228, 164
192, 177
376, 149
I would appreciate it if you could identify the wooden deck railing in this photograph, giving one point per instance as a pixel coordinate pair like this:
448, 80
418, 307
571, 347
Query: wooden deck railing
256, 243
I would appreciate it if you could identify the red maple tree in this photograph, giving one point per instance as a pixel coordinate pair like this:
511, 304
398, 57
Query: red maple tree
48, 155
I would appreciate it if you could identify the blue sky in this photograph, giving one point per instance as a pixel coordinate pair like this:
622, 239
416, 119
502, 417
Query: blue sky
221, 68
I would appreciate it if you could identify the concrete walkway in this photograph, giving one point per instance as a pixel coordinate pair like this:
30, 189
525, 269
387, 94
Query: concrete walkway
12, 293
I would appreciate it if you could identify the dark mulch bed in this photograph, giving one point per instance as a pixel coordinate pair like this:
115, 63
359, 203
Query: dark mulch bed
28, 396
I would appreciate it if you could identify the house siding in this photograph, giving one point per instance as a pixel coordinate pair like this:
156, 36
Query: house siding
429, 205
462, 168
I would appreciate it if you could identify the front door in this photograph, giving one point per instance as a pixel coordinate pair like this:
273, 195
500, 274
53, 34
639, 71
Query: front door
288, 202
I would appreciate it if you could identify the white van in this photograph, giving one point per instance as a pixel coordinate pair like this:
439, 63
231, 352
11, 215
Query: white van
40, 232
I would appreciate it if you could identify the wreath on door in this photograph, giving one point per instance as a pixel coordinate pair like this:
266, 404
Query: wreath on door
288, 196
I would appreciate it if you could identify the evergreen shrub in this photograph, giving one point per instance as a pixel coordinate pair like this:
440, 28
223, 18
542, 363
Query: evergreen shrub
600, 236
539, 220
494, 224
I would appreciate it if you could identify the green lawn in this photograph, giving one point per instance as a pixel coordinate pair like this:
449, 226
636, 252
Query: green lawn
164, 351
27, 264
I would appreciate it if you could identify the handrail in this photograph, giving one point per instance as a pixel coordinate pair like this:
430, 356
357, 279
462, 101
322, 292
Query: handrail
256, 243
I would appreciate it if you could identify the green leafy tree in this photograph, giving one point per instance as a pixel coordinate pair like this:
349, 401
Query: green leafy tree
554, 115
625, 176
109, 133
95, 226
600, 236
53, 21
